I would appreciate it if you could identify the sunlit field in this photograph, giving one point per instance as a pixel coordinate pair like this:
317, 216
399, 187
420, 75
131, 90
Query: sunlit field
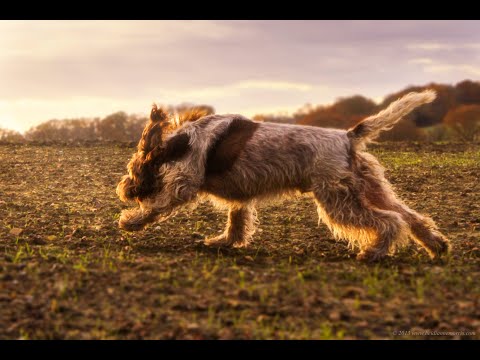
68, 272
81, 99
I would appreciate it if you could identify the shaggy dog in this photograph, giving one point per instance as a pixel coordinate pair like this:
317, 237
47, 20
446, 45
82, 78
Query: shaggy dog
238, 162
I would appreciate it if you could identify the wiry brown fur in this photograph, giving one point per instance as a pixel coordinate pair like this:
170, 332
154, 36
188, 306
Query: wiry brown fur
238, 162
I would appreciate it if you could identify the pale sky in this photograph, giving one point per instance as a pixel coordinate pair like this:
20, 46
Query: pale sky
67, 69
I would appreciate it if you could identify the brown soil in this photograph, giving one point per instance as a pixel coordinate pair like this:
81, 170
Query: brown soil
68, 272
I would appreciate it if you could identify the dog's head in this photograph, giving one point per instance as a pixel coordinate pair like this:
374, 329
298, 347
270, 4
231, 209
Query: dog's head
154, 149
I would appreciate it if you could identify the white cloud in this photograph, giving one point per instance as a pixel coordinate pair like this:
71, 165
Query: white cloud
434, 46
421, 61
430, 46
60, 38
437, 67
257, 110
212, 93
463, 69
273, 85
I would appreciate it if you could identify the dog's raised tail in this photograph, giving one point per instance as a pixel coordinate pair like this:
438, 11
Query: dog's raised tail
369, 128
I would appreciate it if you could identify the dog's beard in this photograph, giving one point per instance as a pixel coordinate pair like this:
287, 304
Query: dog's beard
137, 219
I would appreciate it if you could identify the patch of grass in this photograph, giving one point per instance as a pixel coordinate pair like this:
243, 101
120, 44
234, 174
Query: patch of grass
382, 282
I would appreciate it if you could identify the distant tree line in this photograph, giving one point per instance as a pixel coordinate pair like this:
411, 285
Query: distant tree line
117, 127
455, 114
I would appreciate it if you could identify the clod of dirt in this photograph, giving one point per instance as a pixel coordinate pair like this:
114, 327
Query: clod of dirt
16, 231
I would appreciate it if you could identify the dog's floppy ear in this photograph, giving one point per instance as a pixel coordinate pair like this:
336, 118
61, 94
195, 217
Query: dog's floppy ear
174, 149
152, 134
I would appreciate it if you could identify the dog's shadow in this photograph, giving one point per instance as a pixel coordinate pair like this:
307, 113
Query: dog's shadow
268, 253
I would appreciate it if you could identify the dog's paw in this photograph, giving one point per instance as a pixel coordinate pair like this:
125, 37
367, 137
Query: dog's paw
218, 241
370, 256
240, 244
223, 241
443, 247
438, 246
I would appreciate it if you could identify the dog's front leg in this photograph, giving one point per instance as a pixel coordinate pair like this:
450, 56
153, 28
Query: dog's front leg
240, 228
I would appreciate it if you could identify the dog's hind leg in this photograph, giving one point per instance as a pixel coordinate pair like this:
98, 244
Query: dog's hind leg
423, 229
376, 231
379, 193
425, 232
240, 227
